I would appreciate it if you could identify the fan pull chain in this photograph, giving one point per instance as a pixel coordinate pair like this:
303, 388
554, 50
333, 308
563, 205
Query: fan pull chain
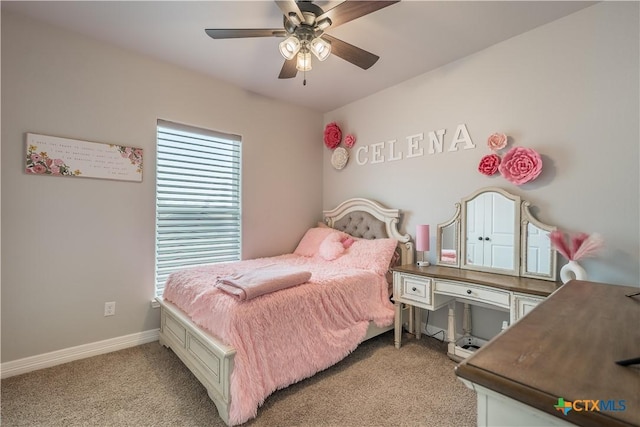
304, 78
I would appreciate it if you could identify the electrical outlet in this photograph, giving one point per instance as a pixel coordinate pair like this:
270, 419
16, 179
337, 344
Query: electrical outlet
110, 308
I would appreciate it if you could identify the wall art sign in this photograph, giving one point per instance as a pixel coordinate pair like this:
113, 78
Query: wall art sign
54, 156
415, 146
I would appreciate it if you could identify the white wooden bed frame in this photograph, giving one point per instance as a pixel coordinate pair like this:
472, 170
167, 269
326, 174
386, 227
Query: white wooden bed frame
212, 361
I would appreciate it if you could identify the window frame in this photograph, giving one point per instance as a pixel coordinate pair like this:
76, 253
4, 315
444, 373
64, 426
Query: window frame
211, 186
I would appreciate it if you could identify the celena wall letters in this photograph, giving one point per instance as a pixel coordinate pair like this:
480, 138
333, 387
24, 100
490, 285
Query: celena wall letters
381, 152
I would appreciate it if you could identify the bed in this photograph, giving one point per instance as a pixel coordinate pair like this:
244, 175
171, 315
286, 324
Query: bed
242, 351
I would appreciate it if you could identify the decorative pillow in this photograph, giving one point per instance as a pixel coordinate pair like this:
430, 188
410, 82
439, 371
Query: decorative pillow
348, 241
332, 246
374, 255
312, 239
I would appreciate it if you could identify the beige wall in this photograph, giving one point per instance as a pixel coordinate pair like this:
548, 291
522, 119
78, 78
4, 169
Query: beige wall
568, 89
71, 244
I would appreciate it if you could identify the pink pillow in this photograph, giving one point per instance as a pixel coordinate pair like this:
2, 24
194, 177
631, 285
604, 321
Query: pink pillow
332, 247
374, 255
312, 239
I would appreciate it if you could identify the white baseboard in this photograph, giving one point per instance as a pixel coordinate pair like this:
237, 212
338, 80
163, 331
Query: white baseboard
58, 357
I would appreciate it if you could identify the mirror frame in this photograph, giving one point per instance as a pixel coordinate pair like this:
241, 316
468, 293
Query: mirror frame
515, 271
522, 218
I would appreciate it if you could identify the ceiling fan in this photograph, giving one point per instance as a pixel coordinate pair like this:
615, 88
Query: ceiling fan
304, 29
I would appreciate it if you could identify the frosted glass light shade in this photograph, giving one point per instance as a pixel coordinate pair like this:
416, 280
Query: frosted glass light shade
289, 47
320, 48
422, 238
304, 61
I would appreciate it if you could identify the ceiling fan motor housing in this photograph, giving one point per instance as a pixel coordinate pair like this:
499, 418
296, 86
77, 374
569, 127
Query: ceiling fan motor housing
309, 27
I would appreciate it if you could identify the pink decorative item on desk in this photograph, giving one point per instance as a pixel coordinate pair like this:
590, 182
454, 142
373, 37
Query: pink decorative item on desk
573, 248
422, 243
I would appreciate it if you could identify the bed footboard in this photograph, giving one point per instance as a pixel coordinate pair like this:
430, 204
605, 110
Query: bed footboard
206, 357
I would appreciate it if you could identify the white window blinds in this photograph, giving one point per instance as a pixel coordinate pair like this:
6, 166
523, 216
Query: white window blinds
197, 198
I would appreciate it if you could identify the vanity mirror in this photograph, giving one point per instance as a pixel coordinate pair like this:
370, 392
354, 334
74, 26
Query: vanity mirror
447, 242
494, 231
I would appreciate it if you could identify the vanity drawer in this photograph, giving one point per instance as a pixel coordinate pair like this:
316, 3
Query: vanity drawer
474, 292
522, 304
413, 288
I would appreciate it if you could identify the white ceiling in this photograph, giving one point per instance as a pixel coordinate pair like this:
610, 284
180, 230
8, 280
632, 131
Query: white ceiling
411, 38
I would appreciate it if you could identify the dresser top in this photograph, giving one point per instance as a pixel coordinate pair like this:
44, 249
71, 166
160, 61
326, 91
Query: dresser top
511, 283
567, 348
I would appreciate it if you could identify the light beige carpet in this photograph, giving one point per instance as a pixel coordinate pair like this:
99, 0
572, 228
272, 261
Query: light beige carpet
377, 385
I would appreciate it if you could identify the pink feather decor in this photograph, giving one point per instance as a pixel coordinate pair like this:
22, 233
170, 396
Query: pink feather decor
577, 246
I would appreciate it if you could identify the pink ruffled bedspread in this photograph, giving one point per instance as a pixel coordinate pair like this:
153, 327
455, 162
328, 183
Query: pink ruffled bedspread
282, 337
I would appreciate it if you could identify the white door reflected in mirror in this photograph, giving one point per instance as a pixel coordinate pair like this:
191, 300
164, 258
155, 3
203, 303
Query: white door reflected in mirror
538, 249
490, 231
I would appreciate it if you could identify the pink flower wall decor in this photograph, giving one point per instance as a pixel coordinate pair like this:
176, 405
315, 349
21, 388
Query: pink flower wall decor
349, 140
521, 165
332, 135
489, 164
497, 141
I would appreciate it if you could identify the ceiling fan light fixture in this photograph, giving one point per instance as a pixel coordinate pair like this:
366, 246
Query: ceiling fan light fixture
289, 47
294, 18
320, 48
304, 61
324, 23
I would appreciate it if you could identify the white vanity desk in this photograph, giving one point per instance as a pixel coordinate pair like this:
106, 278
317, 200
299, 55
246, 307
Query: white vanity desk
493, 252
433, 287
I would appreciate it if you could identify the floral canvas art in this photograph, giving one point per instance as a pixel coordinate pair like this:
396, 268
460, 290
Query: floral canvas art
54, 156
39, 163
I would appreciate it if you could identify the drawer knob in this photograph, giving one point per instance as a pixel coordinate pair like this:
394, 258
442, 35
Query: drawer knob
413, 289
469, 291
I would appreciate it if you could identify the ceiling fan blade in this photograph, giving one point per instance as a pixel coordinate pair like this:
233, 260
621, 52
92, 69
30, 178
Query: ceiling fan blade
327, 5
289, 6
351, 53
289, 69
241, 33
350, 10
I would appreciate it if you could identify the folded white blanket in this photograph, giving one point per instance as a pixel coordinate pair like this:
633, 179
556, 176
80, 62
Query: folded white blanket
262, 280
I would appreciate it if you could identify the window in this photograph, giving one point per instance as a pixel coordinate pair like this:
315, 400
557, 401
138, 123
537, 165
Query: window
197, 198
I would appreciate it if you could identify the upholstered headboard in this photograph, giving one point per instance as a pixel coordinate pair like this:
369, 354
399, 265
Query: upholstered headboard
363, 225
367, 219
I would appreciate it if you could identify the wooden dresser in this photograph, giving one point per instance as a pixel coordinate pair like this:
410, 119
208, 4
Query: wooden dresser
562, 355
